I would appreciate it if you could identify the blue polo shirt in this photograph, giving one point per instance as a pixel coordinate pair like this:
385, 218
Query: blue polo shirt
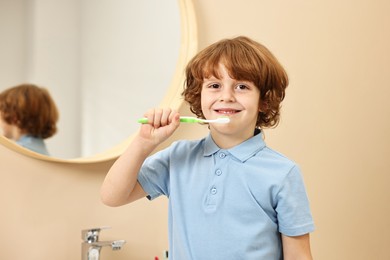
227, 204
32, 143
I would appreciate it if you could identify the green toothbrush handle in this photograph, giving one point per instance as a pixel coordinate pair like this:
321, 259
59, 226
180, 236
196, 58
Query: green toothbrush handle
182, 119
143, 120
189, 120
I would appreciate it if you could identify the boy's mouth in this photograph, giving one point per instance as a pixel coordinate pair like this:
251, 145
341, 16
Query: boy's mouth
227, 111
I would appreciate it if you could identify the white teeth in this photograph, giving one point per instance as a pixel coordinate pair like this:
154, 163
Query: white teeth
226, 112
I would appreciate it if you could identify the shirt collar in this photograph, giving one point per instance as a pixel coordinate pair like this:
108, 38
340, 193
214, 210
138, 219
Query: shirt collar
242, 152
24, 139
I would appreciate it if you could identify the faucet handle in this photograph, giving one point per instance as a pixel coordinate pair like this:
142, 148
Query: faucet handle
92, 234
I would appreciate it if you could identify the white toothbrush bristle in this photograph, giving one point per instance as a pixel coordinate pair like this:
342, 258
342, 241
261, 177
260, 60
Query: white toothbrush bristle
223, 120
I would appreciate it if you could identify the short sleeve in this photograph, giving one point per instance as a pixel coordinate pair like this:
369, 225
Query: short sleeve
293, 209
154, 175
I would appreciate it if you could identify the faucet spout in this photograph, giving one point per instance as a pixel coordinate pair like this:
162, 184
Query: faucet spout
91, 246
114, 244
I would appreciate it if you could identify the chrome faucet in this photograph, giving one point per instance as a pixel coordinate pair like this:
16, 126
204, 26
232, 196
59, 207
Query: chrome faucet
91, 246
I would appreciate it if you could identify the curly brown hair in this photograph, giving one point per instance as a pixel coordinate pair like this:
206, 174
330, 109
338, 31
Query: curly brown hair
245, 59
31, 109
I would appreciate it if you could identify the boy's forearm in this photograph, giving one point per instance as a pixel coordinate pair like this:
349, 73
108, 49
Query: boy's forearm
297, 248
120, 185
121, 179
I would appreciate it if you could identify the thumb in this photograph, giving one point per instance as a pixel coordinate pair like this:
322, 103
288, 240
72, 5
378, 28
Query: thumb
175, 123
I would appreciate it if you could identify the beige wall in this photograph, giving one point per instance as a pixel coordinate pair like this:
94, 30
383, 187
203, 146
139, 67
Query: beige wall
335, 124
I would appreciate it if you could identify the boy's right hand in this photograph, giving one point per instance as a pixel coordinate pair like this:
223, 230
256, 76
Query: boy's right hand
162, 123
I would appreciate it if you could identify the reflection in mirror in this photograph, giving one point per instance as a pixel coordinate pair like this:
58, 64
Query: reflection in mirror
104, 62
28, 115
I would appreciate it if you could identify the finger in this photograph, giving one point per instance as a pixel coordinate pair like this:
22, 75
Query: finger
174, 117
157, 117
174, 120
150, 116
175, 124
165, 118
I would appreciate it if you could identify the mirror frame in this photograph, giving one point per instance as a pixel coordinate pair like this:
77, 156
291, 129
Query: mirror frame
188, 48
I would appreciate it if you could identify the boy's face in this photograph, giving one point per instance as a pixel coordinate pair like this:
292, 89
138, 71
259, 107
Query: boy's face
239, 100
5, 128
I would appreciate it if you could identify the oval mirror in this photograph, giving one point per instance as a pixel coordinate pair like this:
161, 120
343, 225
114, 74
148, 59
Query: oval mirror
104, 62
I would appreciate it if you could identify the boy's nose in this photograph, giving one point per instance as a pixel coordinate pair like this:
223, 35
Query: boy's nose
227, 95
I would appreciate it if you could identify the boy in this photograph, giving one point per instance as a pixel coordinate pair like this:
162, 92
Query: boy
230, 196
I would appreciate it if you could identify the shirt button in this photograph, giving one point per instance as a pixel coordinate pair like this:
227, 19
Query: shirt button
222, 155
218, 172
213, 190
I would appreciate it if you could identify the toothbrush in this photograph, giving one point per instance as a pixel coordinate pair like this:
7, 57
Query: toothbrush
191, 119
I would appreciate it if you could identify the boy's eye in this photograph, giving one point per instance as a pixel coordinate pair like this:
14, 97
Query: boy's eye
214, 85
242, 86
